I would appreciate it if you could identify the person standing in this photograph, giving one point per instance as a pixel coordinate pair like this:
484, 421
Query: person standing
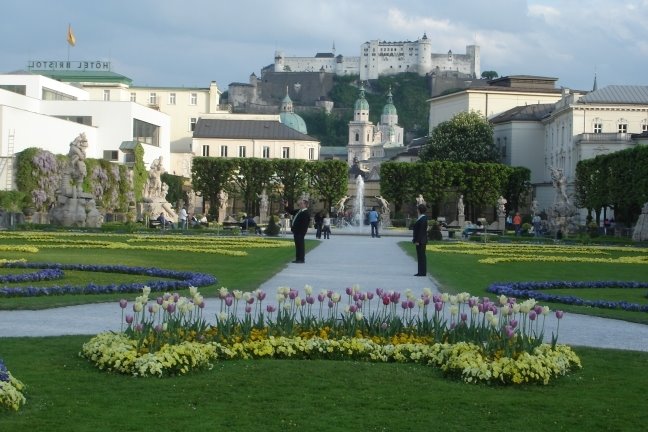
419, 238
318, 220
299, 227
373, 220
517, 223
326, 226
183, 218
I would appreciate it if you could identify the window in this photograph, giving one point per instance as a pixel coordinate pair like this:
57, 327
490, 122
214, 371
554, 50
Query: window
266, 152
152, 99
192, 123
357, 137
311, 153
205, 150
106, 95
133, 97
193, 99
285, 152
223, 151
146, 133
172, 99
111, 155
598, 128
644, 126
623, 128
242, 151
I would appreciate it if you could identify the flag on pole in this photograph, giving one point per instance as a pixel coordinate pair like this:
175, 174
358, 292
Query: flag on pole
70, 36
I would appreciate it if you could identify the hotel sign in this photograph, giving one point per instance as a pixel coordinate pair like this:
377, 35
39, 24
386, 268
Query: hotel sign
62, 65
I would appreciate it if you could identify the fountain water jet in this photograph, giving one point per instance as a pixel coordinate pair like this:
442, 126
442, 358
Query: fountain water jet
357, 216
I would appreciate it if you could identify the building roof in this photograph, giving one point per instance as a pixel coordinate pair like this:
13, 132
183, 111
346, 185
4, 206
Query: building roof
617, 94
247, 129
535, 112
84, 76
333, 151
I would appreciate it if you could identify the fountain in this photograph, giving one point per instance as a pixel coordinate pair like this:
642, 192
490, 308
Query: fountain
357, 216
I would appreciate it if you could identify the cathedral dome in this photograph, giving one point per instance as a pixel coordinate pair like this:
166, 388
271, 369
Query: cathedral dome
361, 103
289, 118
389, 108
293, 121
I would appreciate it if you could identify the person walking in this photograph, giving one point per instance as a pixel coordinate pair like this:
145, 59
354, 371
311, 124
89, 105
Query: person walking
299, 227
326, 226
419, 238
373, 220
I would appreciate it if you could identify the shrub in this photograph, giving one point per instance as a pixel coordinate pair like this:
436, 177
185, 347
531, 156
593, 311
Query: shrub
273, 228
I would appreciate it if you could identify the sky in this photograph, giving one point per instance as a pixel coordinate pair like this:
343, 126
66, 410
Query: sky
191, 43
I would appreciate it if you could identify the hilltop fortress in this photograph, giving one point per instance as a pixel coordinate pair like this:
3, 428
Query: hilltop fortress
309, 79
379, 58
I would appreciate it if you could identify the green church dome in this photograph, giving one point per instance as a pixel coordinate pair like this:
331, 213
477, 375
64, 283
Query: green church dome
293, 121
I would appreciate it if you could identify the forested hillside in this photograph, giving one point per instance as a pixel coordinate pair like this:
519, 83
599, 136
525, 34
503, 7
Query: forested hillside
409, 92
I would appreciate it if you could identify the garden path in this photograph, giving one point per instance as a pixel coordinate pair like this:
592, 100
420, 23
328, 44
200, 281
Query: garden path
337, 263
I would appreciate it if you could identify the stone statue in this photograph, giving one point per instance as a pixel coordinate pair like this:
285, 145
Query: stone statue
263, 205
460, 205
77, 157
534, 207
153, 187
501, 205
560, 183
340, 205
94, 219
384, 204
420, 200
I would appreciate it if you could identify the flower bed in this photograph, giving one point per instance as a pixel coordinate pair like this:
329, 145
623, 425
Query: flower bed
533, 290
11, 388
479, 341
179, 280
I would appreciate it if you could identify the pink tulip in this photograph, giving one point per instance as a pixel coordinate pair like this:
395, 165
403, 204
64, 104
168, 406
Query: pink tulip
385, 300
532, 315
129, 319
123, 303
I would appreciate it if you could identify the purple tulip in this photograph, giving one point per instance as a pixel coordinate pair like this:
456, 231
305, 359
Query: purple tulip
150, 309
353, 308
532, 315
358, 304
329, 294
410, 304
464, 317
129, 319
139, 327
426, 301
538, 309
331, 304
310, 300
303, 302
159, 300
321, 297
509, 331
513, 323
559, 314
171, 308
250, 300
292, 295
380, 292
229, 301
248, 309
123, 303
438, 306
471, 302
349, 290
201, 305
158, 328
176, 297
395, 297
261, 295
436, 298
369, 295
271, 308
356, 297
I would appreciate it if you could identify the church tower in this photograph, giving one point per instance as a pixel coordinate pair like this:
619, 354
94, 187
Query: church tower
392, 134
361, 131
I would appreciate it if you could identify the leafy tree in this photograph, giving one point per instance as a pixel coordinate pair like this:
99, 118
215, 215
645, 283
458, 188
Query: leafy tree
328, 179
251, 177
489, 75
139, 172
175, 183
467, 137
398, 182
518, 186
482, 184
209, 177
291, 178
436, 180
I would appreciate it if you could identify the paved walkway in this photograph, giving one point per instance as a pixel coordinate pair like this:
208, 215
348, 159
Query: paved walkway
340, 262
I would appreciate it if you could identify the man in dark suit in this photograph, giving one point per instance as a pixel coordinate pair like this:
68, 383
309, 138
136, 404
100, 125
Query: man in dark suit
299, 227
419, 238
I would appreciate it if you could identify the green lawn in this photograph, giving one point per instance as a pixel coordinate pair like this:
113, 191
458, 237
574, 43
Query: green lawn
66, 393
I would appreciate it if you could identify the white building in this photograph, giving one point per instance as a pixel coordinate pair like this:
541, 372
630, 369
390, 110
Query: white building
498, 96
252, 136
379, 58
37, 111
577, 127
